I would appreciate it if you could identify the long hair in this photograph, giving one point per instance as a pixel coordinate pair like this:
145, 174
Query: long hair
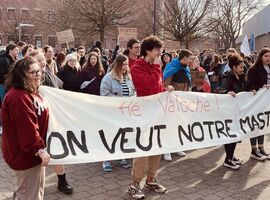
98, 68
258, 62
216, 60
24, 50
18, 75
117, 68
60, 58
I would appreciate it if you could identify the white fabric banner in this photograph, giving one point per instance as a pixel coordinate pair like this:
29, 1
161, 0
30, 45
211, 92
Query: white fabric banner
85, 128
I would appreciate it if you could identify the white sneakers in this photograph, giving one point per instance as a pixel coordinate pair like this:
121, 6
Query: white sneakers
168, 156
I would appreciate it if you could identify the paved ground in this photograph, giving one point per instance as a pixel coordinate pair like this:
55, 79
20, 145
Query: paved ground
200, 175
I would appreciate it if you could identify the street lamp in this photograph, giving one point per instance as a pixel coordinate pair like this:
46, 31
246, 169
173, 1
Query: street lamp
20, 28
155, 16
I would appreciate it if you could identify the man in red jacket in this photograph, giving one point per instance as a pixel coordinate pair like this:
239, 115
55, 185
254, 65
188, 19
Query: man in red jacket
147, 78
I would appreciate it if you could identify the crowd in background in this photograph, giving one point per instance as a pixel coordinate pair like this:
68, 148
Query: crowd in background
140, 69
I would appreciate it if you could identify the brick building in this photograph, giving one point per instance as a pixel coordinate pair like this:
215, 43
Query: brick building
33, 22
18, 18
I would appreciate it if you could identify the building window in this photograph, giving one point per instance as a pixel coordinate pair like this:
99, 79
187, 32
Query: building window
25, 38
11, 39
38, 41
51, 16
38, 11
11, 13
25, 15
51, 41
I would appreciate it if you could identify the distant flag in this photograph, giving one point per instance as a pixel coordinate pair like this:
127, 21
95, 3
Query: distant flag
252, 42
244, 48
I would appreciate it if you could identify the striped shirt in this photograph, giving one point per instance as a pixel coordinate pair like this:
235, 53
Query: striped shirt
125, 90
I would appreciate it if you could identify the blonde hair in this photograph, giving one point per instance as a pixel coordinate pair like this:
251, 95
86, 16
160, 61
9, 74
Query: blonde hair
193, 58
36, 52
117, 68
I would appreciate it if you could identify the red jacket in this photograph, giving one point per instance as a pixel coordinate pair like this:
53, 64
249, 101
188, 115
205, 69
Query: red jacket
25, 123
131, 62
147, 78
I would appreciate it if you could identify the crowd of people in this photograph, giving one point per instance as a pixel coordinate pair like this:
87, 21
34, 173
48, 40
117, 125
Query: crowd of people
142, 69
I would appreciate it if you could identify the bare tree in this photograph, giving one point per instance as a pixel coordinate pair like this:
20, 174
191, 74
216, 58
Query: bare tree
230, 15
143, 18
184, 20
92, 16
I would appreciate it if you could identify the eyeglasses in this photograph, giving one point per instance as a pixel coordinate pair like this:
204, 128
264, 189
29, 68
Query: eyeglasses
36, 72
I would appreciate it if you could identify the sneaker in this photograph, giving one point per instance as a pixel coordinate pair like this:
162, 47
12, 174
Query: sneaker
255, 154
155, 186
124, 163
231, 164
107, 166
237, 161
135, 191
167, 157
262, 151
181, 153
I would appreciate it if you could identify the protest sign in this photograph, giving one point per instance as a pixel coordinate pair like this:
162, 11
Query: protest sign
64, 37
125, 34
87, 128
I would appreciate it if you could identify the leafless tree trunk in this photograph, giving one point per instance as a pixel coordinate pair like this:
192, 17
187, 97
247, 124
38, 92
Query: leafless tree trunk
92, 16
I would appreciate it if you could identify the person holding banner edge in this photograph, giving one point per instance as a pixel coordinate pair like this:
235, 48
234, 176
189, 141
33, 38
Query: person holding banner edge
52, 80
258, 76
25, 118
147, 78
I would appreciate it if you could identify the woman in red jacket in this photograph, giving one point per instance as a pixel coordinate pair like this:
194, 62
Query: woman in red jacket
25, 122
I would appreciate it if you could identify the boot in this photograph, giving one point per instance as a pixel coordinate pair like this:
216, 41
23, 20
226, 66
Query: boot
63, 184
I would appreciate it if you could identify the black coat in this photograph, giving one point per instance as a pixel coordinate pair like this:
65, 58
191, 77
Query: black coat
69, 78
256, 78
5, 62
231, 83
94, 77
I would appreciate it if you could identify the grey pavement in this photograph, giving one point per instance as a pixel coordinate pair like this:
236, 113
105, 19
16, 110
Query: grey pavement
198, 176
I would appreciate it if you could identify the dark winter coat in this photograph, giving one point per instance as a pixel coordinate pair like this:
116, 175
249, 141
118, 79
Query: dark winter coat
256, 78
231, 83
69, 77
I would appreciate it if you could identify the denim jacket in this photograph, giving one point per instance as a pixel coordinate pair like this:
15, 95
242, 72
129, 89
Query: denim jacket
112, 87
